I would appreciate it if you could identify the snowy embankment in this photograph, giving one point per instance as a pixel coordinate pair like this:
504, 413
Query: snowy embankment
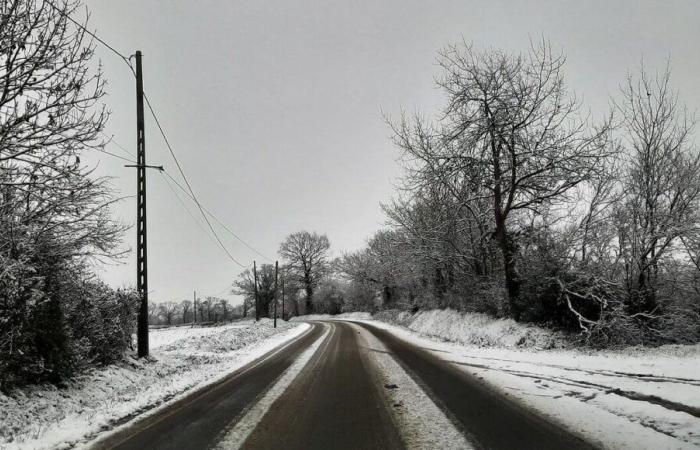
635, 398
182, 359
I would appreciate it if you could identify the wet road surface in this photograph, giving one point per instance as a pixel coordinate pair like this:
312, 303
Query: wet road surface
336, 402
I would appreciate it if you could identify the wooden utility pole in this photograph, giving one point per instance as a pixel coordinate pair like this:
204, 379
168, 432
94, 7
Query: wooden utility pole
141, 228
274, 297
194, 299
141, 237
255, 287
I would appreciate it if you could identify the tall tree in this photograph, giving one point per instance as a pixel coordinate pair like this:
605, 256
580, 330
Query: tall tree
169, 311
244, 285
305, 255
661, 185
53, 212
186, 308
510, 133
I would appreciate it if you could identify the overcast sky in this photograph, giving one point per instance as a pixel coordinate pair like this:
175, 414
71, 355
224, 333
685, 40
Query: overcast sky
275, 108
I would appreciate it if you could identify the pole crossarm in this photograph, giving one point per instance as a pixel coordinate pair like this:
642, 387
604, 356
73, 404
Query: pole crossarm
145, 166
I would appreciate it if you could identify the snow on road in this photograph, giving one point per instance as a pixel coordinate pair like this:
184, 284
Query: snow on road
236, 437
183, 359
631, 399
421, 423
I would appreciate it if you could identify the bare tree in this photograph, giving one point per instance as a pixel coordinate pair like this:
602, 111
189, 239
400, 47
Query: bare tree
661, 184
510, 133
186, 308
153, 313
244, 286
305, 255
223, 304
208, 305
169, 311
53, 212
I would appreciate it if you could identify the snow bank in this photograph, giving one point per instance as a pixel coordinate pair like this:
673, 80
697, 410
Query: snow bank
465, 328
159, 337
474, 329
350, 315
183, 358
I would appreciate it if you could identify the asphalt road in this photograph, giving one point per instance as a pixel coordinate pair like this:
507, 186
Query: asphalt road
336, 402
490, 419
195, 421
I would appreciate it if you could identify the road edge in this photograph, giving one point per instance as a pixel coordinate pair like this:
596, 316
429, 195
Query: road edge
124, 428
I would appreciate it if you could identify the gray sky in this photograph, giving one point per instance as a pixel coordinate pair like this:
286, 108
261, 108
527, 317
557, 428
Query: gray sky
274, 107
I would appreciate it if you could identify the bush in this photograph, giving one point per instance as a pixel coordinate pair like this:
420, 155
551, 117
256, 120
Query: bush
59, 321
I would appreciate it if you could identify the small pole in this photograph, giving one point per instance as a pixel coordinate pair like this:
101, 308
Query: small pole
194, 297
274, 297
255, 287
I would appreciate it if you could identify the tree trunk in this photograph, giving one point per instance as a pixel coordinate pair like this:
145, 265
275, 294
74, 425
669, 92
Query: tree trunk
309, 298
513, 280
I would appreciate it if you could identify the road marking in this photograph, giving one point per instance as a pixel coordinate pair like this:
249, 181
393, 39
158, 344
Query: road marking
420, 422
236, 436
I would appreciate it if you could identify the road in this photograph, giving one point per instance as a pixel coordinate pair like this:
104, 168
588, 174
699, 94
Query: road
336, 401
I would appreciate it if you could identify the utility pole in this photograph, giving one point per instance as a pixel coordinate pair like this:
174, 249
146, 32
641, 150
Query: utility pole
141, 242
274, 296
194, 298
255, 282
141, 235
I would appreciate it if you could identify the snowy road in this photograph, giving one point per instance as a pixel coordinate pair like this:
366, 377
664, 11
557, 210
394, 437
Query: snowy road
345, 386
195, 421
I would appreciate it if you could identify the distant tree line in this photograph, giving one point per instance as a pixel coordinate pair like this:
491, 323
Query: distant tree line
56, 317
208, 310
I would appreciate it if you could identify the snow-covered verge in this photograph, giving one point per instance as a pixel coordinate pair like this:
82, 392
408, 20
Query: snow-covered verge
183, 359
637, 398
464, 328
352, 315
474, 329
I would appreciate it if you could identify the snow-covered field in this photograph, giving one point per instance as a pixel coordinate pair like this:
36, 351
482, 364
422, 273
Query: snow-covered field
637, 398
183, 358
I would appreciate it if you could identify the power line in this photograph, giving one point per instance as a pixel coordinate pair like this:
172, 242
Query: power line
221, 292
82, 27
201, 227
112, 141
165, 139
223, 225
184, 177
116, 156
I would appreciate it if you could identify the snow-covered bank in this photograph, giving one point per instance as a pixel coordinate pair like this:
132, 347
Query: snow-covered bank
474, 329
637, 398
464, 328
183, 359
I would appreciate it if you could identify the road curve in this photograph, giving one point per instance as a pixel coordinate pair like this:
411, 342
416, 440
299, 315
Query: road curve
336, 402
